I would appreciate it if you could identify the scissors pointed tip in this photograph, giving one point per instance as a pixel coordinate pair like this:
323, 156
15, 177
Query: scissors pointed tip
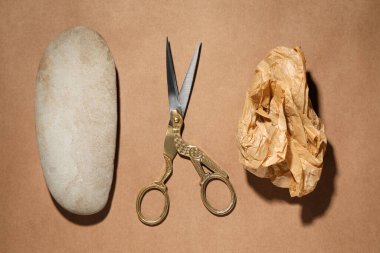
171, 80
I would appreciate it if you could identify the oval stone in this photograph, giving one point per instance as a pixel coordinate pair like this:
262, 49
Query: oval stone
76, 119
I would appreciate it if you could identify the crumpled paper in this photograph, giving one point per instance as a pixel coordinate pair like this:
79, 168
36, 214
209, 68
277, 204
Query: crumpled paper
280, 136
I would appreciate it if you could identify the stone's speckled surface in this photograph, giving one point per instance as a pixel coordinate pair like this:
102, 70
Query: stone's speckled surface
76, 119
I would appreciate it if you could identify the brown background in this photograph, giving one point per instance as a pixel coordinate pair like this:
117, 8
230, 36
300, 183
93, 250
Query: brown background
341, 42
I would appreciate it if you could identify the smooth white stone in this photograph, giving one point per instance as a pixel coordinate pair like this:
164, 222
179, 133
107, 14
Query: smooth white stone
76, 119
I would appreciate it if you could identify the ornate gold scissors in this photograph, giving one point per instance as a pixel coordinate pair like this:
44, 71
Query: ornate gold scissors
175, 144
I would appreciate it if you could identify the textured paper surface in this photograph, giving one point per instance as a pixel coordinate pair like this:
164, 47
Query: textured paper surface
341, 40
280, 135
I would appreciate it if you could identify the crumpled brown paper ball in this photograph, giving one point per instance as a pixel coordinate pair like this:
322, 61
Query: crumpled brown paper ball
280, 136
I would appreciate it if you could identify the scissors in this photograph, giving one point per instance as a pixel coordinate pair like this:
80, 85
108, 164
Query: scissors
175, 144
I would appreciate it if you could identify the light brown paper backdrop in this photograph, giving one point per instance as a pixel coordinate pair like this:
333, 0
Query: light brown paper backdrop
341, 43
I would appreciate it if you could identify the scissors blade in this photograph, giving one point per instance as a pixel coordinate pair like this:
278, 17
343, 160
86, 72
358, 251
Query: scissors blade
188, 82
174, 103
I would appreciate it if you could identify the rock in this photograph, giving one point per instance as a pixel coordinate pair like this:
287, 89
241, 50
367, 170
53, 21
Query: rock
76, 119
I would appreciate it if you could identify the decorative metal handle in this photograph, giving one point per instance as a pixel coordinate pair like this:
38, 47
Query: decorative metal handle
199, 158
155, 186
159, 186
204, 183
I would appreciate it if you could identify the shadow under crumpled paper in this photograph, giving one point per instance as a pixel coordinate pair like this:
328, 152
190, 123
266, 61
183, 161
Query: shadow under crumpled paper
316, 203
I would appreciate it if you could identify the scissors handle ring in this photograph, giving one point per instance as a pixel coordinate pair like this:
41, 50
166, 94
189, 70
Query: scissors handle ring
211, 177
155, 186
